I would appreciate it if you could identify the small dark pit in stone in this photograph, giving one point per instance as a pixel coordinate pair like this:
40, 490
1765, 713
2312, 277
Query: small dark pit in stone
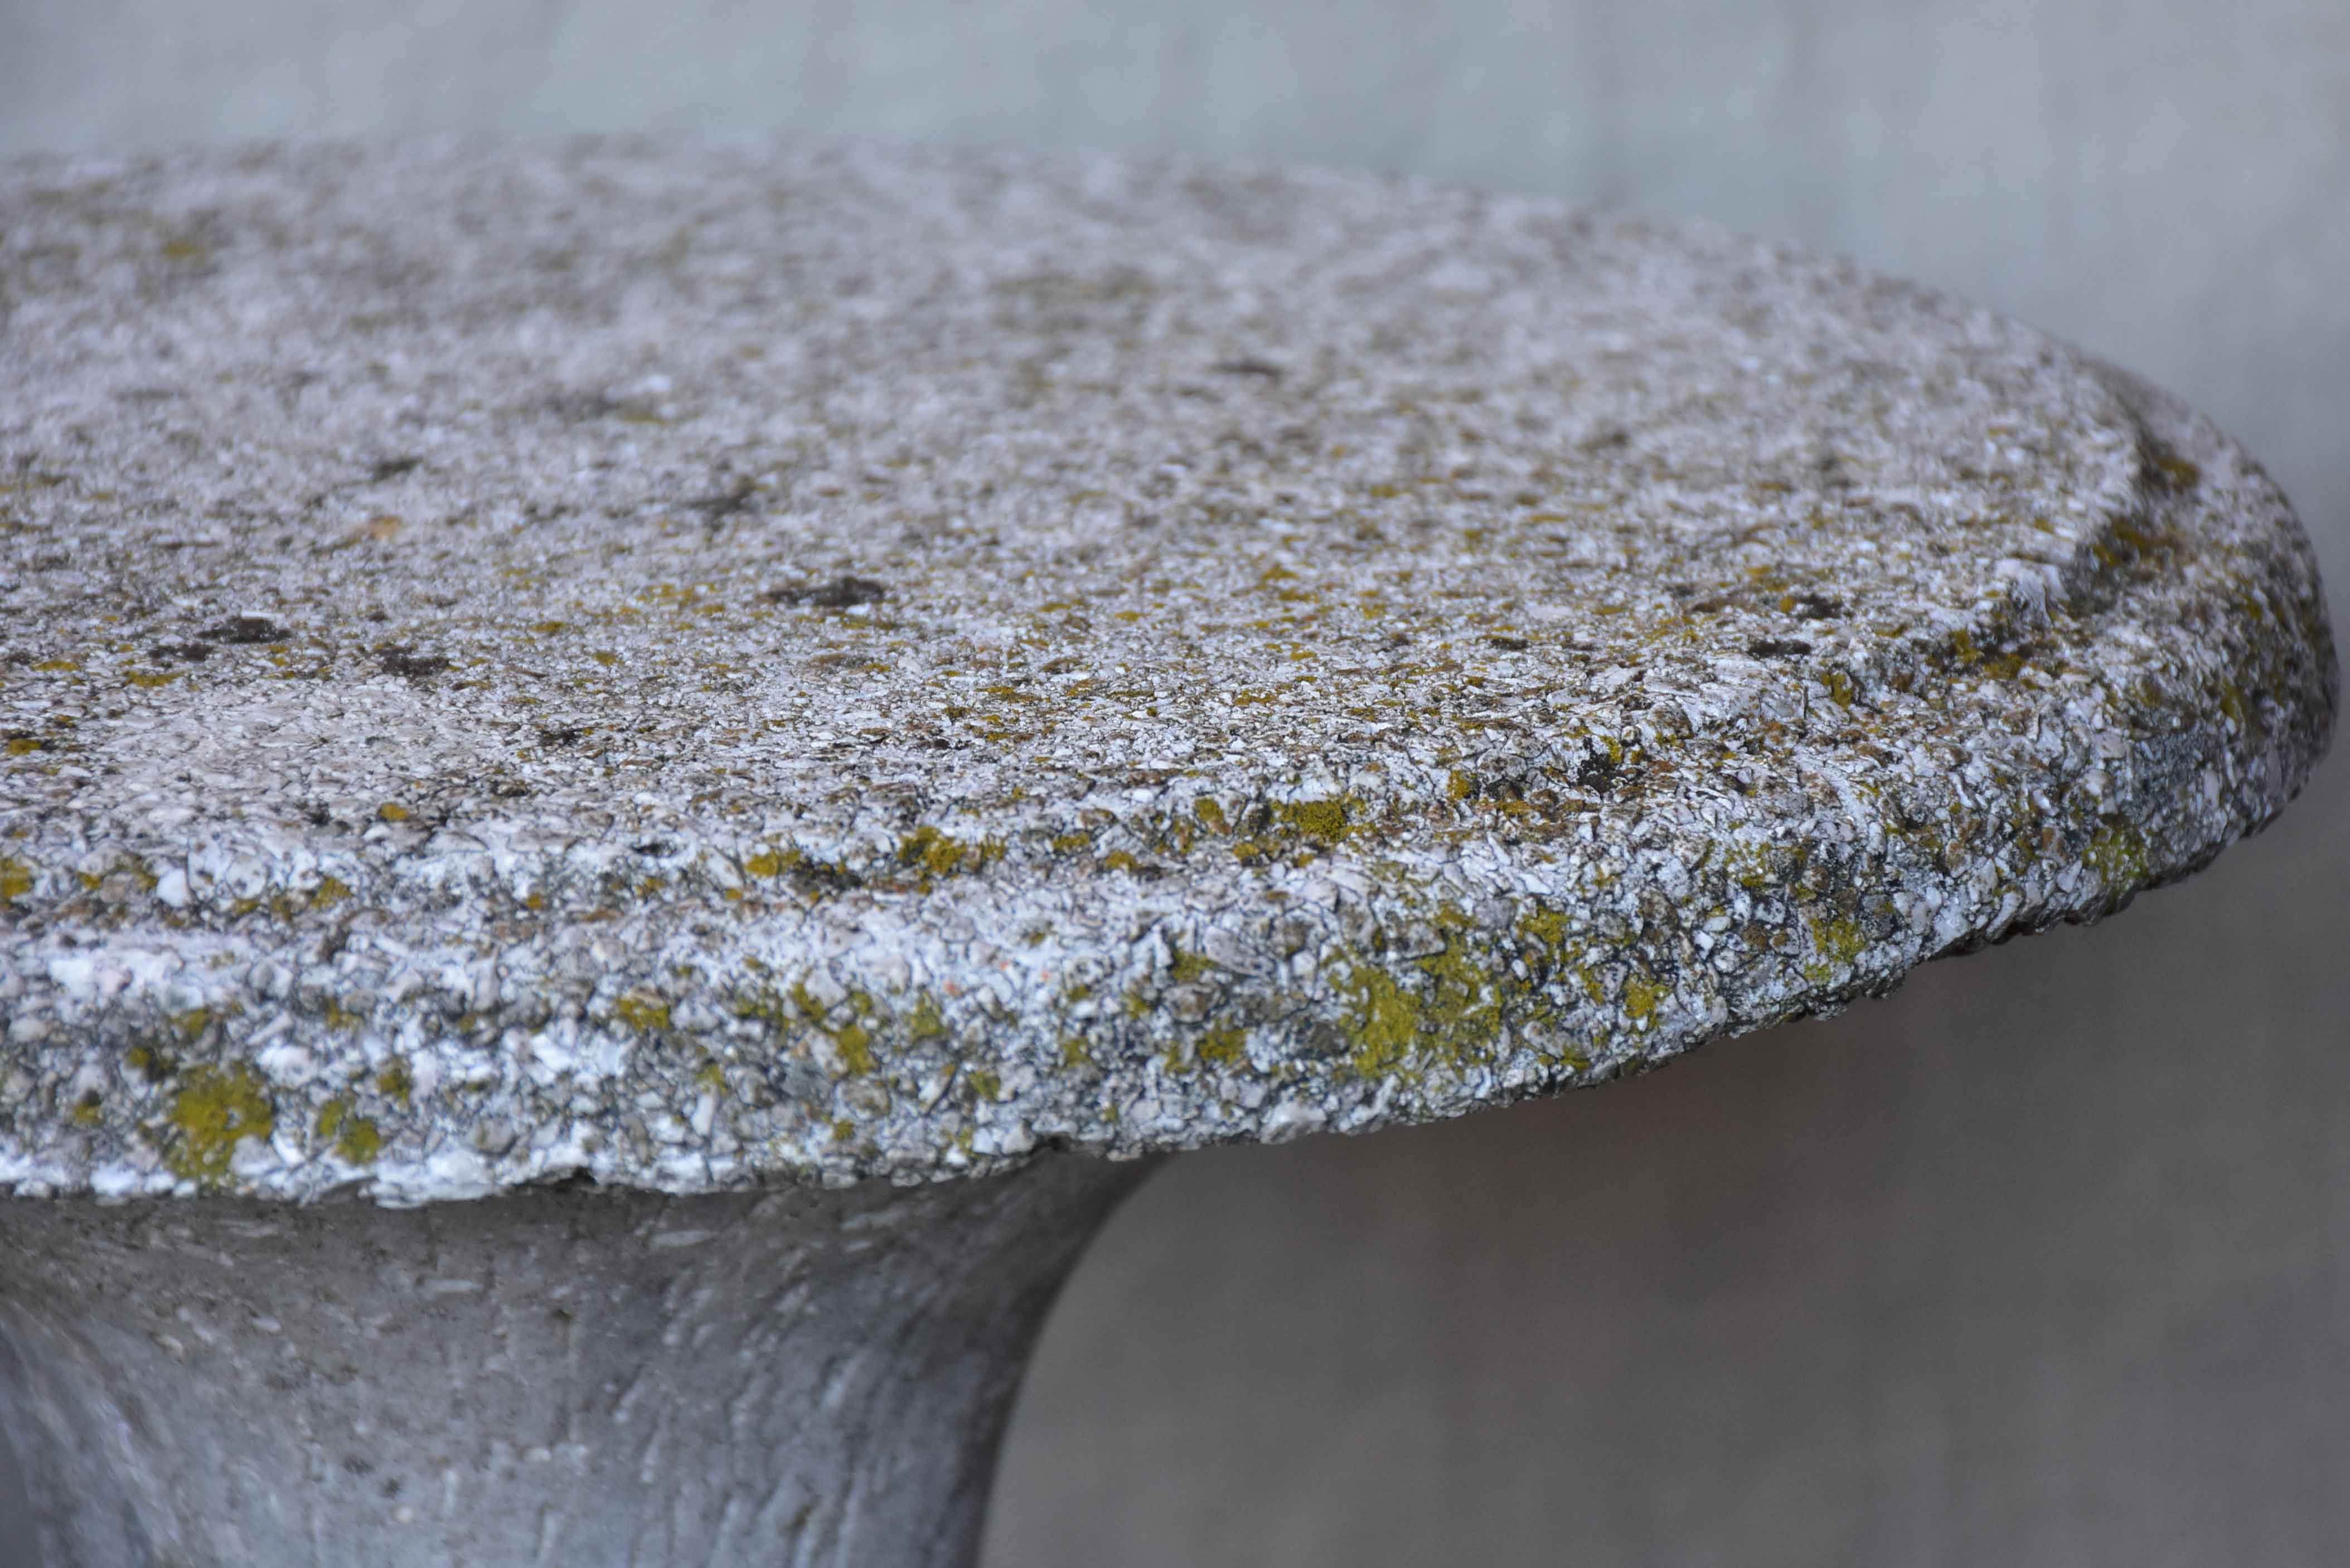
1508, 644
1325, 1040
245, 631
583, 405
843, 592
655, 846
406, 663
825, 876
186, 652
725, 502
392, 468
562, 735
1777, 648
1818, 607
1249, 365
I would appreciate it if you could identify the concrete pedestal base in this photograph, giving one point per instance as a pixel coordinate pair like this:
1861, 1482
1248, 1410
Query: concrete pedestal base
576, 1377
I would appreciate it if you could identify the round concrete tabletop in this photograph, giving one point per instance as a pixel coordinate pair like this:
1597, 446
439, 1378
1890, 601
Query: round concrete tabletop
699, 664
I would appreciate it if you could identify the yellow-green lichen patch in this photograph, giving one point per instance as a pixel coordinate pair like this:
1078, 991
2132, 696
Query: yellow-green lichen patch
769, 863
216, 1108
1186, 968
2117, 852
1546, 929
641, 1011
395, 1082
1321, 822
851, 1041
15, 878
1381, 1022
1442, 1009
1224, 1046
932, 853
1643, 997
356, 1139
1840, 942
1463, 1014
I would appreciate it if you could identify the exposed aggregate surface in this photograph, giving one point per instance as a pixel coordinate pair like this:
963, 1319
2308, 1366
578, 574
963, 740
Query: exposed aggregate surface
699, 664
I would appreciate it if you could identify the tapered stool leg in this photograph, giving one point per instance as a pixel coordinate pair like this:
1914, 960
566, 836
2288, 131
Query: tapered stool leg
577, 1377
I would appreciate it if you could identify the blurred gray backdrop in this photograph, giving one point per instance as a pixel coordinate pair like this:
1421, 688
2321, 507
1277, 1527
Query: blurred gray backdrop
2045, 1260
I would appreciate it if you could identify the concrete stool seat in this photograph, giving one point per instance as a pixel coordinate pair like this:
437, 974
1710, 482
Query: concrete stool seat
586, 725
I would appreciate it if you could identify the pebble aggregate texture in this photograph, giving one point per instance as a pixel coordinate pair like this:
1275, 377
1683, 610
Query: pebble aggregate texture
702, 664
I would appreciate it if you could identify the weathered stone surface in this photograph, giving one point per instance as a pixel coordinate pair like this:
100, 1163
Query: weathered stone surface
700, 664
596, 1379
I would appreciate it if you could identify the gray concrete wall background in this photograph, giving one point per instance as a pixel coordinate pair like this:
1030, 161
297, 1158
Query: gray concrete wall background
2043, 1260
